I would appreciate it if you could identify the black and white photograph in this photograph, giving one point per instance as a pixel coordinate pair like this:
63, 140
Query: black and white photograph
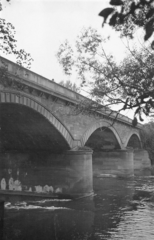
76, 119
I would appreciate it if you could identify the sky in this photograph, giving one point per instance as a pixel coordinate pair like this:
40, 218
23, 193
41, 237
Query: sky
42, 25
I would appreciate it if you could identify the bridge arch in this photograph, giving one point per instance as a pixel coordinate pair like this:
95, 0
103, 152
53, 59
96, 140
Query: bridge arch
97, 125
133, 140
22, 99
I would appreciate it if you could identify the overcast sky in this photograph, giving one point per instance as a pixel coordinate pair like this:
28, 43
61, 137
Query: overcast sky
42, 25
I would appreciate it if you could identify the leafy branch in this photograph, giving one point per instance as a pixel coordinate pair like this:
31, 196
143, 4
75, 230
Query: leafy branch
129, 84
8, 43
126, 16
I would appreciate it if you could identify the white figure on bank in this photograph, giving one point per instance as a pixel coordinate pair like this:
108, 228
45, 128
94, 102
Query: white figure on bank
3, 184
11, 184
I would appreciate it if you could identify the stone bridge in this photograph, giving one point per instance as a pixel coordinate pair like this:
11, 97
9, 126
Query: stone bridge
46, 148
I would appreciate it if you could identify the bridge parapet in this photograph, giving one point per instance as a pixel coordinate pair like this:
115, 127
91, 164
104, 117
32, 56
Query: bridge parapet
29, 78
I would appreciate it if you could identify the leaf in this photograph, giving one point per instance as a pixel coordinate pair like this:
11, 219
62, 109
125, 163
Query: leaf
113, 19
143, 2
152, 45
105, 13
121, 18
116, 2
132, 8
150, 13
149, 29
134, 122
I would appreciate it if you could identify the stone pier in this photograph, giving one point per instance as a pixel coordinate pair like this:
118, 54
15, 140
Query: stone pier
118, 163
47, 174
81, 172
141, 160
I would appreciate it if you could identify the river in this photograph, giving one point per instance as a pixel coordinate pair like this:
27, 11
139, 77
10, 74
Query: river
120, 209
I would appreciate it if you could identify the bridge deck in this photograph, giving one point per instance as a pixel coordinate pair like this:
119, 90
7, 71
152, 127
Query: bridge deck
37, 81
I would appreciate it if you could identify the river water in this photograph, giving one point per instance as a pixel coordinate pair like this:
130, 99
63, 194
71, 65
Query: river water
120, 209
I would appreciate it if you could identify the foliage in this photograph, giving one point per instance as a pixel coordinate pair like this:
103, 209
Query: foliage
147, 137
126, 15
8, 43
68, 84
129, 83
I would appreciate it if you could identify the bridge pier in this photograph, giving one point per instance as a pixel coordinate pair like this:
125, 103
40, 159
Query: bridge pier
141, 160
81, 172
46, 174
68, 174
116, 162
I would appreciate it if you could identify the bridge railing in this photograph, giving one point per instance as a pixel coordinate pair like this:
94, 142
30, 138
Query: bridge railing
34, 79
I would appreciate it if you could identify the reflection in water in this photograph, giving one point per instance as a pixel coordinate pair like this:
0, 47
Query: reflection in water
121, 209
48, 220
1, 218
128, 209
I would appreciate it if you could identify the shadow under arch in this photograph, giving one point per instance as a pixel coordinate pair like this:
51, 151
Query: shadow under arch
12, 97
133, 140
97, 125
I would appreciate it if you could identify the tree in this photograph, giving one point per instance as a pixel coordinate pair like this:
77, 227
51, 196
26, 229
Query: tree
8, 43
130, 84
147, 137
68, 84
127, 15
